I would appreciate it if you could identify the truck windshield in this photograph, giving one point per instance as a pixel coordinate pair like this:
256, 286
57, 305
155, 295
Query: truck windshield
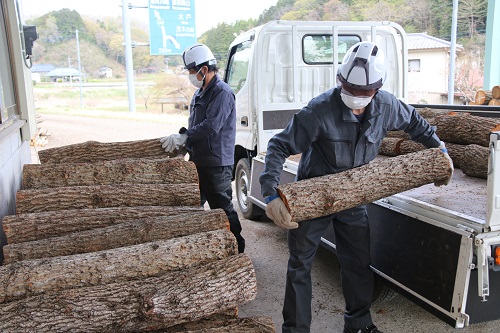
238, 66
318, 49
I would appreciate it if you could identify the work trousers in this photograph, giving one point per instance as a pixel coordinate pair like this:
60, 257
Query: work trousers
352, 240
215, 188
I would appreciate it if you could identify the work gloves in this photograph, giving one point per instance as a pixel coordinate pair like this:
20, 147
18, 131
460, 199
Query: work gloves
173, 142
442, 147
277, 211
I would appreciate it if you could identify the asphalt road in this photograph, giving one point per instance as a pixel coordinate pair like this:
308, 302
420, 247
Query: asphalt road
266, 243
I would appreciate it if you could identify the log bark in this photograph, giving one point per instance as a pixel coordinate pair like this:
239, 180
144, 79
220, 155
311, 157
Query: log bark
33, 277
483, 97
474, 161
456, 153
124, 234
34, 226
128, 171
466, 129
495, 92
101, 196
93, 151
396, 146
321, 196
229, 325
139, 305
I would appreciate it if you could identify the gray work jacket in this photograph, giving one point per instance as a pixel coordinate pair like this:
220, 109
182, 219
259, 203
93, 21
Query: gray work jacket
331, 139
212, 125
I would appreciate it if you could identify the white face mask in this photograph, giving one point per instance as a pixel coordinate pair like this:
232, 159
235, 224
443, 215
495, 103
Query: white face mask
194, 79
354, 102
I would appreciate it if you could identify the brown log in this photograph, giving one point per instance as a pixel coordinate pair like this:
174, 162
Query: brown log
494, 102
396, 146
474, 161
93, 151
229, 325
456, 153
495, 92
139, 305
127, 171
101, 196
431, 114
124, 234
482, 97
321, 196
466, 129
33, 226
33, 277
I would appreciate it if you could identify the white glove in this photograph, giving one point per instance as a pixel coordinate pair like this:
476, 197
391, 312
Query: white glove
173, 142
277, 211
445, 152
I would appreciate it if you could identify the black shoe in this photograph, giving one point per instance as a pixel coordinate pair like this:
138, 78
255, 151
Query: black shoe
369, 329
241, 246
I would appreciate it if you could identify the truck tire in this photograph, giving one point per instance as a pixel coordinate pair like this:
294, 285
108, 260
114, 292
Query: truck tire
242, 184
381, 291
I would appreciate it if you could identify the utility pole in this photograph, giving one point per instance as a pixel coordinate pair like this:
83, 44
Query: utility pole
453, 48
79, 67
129, 65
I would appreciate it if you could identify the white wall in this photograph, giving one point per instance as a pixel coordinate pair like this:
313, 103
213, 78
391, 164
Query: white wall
428, 85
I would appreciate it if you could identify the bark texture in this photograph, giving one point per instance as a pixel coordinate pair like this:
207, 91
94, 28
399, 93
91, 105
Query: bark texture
474, 161
128, 171
124, 234
466, 129
93, 151
32, 277
139, 305
393, 146
100, 196
320, 196
34, 226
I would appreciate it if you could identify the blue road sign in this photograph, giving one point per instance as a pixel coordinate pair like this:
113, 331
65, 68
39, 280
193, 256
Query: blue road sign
171, 26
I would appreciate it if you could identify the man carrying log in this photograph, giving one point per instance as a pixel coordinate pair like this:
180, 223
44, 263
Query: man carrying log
338, 130
210, 135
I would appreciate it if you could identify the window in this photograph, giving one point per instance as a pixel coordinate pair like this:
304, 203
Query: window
414, 65
7, 99
318, 49
238, 66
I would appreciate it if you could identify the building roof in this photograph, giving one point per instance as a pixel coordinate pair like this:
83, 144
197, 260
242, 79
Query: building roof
42, 68
422, 41
64, 72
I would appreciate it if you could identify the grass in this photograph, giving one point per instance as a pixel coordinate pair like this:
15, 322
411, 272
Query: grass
107, 99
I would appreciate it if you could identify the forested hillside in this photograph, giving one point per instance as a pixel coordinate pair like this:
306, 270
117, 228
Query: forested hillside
101, 41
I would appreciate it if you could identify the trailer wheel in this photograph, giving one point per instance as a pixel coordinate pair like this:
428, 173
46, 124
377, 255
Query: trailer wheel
242, 183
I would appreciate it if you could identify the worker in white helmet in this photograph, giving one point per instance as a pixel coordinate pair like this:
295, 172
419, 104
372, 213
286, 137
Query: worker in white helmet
210, 135
338, 130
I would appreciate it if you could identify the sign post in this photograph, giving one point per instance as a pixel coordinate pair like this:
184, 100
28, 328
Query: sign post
171, 26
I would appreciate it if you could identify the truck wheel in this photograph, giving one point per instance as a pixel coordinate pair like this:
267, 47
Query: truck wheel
242, 180
382, 292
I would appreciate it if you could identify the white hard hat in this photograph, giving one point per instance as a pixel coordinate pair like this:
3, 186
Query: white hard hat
197, 54
363, 67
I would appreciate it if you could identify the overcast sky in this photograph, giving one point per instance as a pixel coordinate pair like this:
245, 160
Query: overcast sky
209, 13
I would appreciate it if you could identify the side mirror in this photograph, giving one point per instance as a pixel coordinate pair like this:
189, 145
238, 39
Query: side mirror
30, 35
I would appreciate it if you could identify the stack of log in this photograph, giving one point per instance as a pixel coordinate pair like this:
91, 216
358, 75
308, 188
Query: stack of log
466, 136
487, 97
100, 244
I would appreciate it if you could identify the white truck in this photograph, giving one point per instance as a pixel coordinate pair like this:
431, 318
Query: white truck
439, 246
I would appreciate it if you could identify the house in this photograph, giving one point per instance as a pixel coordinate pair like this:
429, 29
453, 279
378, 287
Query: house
65, 74
429, 67
105, 72
42, 69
